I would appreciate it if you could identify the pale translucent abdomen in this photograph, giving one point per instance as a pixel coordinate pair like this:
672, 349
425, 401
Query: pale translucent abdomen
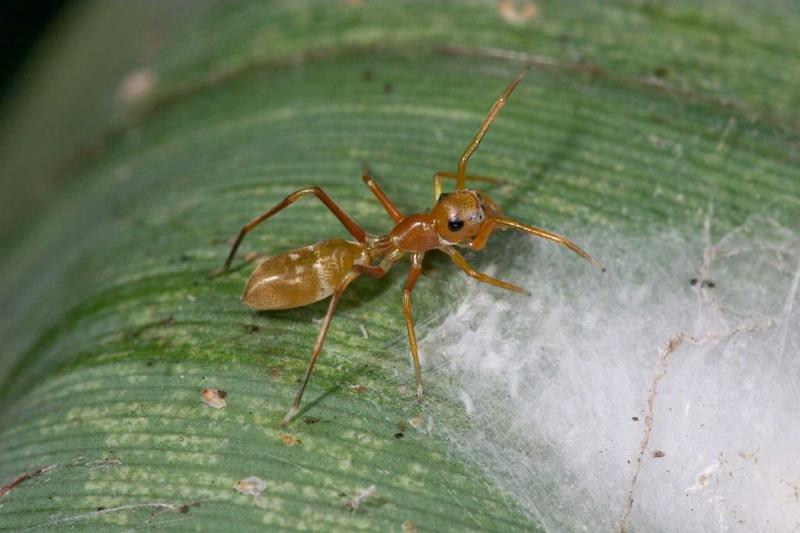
303, 276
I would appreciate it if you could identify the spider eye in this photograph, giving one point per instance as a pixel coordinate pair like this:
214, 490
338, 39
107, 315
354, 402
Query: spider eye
455, 224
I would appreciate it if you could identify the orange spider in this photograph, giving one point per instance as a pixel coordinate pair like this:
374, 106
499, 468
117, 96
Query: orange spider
464, 217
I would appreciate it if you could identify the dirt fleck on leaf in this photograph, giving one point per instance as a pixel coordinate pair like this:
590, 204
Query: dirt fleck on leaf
11, 485
136, 85
360, 496
290, 440
518, 13
214, 398
251, 486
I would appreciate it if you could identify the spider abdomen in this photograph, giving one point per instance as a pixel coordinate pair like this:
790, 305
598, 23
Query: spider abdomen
302, 276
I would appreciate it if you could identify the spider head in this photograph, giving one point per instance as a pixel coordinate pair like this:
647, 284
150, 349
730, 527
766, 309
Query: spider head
459, 215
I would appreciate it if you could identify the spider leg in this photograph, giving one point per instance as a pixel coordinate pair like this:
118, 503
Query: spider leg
493, 112
491, 224
459, 260
337, 295
437, 181
387, 204
352, 226
413, 275
550, 236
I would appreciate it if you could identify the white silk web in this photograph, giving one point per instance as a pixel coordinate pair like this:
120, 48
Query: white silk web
660, 396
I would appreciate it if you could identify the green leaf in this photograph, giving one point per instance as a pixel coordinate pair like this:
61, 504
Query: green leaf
634, 115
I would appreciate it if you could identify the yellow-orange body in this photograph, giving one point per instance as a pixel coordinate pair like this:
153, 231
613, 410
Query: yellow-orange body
303, 276
464, 217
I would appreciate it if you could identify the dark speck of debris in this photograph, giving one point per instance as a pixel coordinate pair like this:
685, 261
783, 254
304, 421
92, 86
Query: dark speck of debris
310, 420
635, 418
399, 435
252, 328
658, 454
367, 75
222, 394
149, 363
693, 282
183, 508
170, 320
388, 88
706, 283
185, 257
661, 72
101, 509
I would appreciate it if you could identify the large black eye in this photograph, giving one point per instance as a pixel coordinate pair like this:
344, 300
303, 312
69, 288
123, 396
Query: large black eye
455, 224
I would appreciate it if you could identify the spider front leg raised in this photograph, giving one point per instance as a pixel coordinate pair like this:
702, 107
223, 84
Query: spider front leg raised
487, 122
437, 181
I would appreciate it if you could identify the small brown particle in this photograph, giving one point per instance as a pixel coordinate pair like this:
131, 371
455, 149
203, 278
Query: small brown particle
310, 420
517, 13
358, 388
388, 88
183, 508
658, 454
399, 435
11, 485
289, 440
635, 418
214, 398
